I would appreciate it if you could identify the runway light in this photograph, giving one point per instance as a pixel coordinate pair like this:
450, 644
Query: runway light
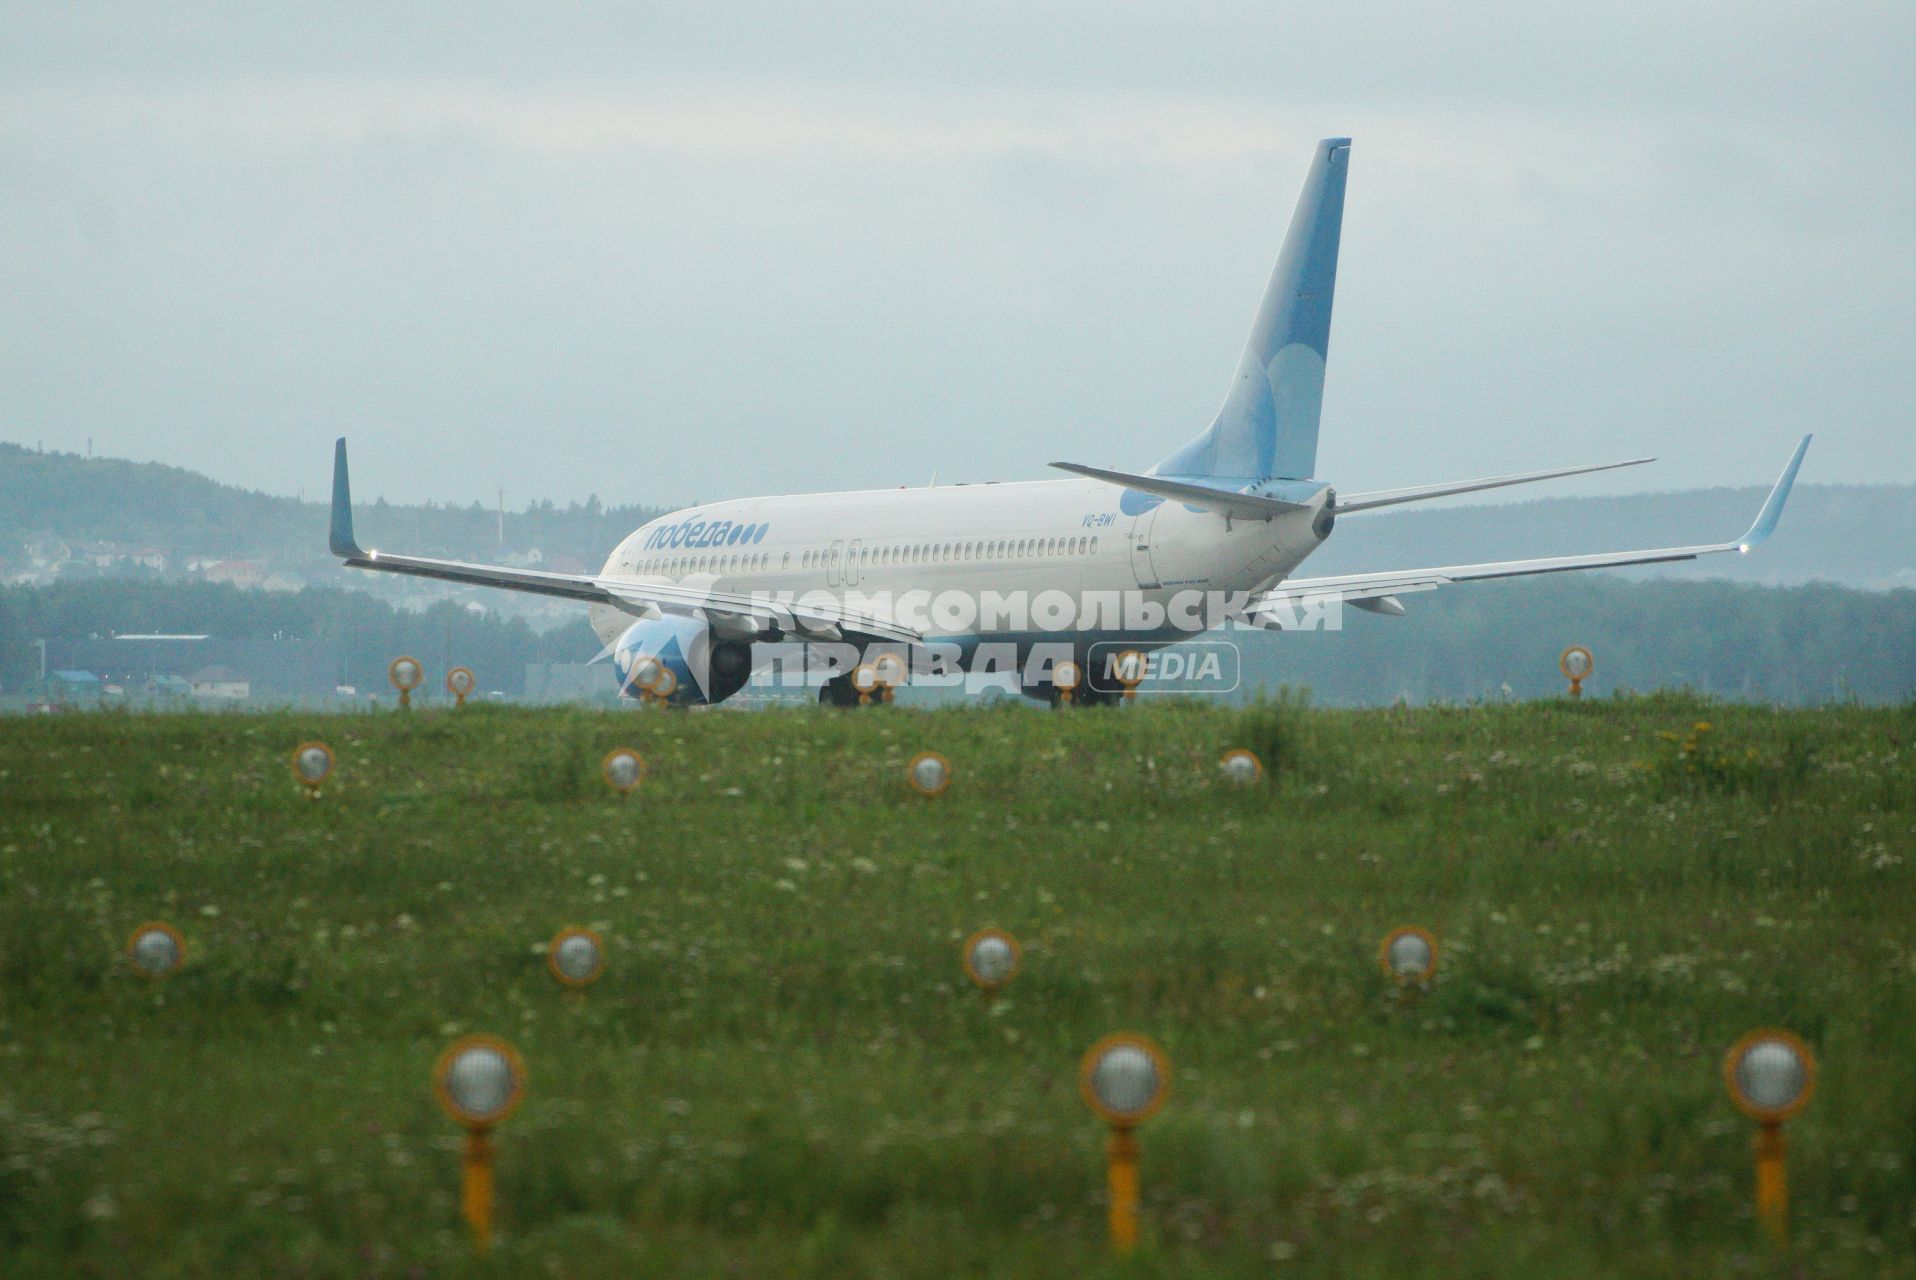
1124, 1079
156, 949
1408, 957
991, 959
645, 673
312, 765
1576, 663
623, 770
479, 1080
576, 956
1130, 669
460, 683
929, 773
1771, 1075
1066, 676
892, 670
865, 682
663, 684
1241, 766
405, 674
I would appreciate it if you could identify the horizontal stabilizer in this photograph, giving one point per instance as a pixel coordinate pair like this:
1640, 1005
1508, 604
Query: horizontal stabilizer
1225, 502
1424, 492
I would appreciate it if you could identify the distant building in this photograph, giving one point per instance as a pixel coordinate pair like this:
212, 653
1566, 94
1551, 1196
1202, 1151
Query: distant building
274, 668
240, 573
219, 682
108, 555
165, 686
76, 685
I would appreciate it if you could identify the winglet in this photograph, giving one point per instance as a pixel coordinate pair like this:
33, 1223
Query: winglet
339, 538
1773, 505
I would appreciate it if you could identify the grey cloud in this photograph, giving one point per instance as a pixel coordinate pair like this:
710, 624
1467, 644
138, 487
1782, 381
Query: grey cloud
680, 252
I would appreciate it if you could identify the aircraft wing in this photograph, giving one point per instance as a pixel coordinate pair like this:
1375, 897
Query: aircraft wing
1378, 591
748, 614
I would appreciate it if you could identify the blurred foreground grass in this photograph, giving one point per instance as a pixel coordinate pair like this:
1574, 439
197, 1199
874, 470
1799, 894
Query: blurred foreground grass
785, 1073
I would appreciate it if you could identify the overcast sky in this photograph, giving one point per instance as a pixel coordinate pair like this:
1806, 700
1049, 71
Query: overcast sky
679, 252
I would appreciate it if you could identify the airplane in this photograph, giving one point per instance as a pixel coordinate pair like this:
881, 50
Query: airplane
976, 573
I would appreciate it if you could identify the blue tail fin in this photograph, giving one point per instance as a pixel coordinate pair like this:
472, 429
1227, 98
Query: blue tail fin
1268, 425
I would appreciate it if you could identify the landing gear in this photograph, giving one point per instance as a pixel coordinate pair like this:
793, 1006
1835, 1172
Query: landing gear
838, 692
1082, 696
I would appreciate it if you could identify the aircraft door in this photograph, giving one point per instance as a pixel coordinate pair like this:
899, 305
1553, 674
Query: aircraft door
853, 551
1141, 564
834, 563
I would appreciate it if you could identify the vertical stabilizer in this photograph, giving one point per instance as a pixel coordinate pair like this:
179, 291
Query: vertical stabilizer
1268, 425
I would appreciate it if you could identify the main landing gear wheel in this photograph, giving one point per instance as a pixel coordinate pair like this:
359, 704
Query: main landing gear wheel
838, 692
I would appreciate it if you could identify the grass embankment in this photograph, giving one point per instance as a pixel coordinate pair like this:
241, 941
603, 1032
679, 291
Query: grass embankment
784, 1072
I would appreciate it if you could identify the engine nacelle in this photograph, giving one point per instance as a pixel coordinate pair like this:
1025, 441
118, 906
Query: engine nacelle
704, 669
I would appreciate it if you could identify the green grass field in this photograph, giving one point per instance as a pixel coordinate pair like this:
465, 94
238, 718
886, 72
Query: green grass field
784, 1072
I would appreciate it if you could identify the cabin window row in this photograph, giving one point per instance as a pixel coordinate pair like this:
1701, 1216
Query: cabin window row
952, 552
889, 554
708, 564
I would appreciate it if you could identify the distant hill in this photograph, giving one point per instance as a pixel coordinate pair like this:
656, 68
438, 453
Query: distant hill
50, 501
1851, 535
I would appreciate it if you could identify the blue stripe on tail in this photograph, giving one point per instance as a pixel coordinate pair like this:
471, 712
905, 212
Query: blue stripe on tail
1268, 425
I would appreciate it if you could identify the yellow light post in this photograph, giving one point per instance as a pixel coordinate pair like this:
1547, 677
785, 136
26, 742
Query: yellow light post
1241, 766
576, 956
1124, 1079
1066, 676
312, 765
865, 683
460, 683
1576, 663
1130, 669
892, 670
1408, 957
623, 770
928, 773
156, 949
991, 958
479, 1080
406, 675
1770, 1075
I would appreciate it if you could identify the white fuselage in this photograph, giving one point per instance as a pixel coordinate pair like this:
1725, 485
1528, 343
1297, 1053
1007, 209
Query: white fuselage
1053, 535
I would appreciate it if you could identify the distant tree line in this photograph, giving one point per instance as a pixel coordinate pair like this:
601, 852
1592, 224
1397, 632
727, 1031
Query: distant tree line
1794, 645
365, 632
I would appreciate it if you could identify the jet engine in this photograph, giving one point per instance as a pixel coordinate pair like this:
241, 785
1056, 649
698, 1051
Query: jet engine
704, 669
